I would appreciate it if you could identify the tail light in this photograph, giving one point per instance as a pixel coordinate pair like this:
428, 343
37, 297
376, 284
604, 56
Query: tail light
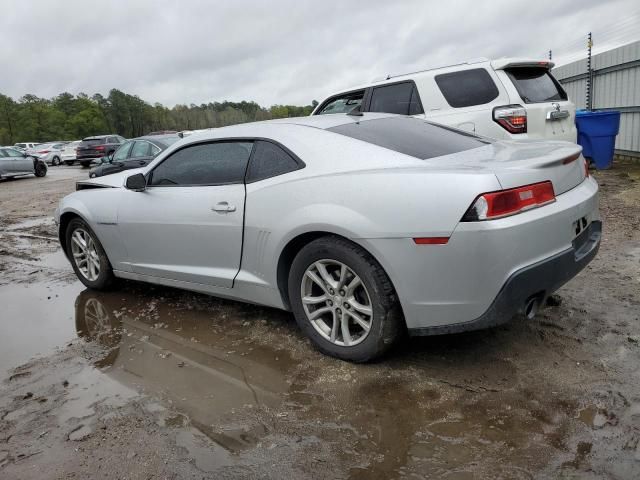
100, 148
513, 118
44, 151
503, 203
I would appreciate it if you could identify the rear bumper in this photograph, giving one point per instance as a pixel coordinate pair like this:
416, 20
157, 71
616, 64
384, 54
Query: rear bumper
536, 281
458, 283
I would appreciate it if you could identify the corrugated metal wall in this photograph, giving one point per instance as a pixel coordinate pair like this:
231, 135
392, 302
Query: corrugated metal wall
616, 85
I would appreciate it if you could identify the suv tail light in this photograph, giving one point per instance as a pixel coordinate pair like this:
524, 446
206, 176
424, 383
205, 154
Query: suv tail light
503, 203
513, 118
100, 148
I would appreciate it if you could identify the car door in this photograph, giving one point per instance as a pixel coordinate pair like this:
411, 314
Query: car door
187, 225
20, 163
6, 163
401, 98
141, 154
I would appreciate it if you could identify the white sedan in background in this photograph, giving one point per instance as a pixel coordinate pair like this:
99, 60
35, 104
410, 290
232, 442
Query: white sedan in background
49, 153
68, 150
363, 225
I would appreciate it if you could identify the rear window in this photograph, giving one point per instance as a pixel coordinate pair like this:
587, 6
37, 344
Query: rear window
342, 103
467, 88
536, 85
411, 136
87, 142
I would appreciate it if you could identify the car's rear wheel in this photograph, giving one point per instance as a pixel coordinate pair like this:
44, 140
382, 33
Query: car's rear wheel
85, 164
69, 162
40, 169
55, 161
88, 258
343, 300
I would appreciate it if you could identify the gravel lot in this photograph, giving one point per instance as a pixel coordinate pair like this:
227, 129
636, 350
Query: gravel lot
147, 382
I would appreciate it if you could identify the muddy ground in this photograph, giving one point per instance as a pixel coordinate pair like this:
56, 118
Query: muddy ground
146, 382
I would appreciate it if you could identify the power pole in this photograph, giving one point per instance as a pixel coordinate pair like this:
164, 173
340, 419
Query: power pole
589, 73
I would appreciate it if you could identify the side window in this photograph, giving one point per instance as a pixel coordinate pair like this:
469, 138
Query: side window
2, 153
400, 98
343, 103
113, 140
140, 149
467, 87
269, 160
120, 139
155, 150
216, 163
122, 152
12, 153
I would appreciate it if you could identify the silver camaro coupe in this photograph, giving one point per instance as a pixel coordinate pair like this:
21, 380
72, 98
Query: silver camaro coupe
364, 226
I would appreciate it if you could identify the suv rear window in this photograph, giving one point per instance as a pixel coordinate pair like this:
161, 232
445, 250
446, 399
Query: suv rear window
399, 98
92, 141
411, 136
467, 88
342, 103
536, 85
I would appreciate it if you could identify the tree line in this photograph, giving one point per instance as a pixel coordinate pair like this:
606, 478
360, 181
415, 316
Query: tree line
73, 117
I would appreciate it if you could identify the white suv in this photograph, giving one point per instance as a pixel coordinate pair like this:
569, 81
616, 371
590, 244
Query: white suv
514, 99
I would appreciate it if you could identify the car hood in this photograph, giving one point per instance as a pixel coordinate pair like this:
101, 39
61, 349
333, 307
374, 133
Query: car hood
114, 180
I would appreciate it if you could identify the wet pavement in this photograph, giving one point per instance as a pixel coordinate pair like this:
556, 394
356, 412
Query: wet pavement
147, 381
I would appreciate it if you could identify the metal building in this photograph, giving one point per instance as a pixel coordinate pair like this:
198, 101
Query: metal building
615, 85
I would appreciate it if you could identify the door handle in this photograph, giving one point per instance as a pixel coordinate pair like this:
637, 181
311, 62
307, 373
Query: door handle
223, 207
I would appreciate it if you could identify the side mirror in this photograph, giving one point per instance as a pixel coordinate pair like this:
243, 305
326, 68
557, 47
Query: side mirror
137, 182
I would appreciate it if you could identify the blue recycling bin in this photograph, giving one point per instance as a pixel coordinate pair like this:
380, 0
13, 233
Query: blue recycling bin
597, 135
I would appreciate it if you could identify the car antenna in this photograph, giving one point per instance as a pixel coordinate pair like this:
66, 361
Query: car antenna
356, 112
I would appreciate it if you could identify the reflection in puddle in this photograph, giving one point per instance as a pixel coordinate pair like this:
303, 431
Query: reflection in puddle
175, 354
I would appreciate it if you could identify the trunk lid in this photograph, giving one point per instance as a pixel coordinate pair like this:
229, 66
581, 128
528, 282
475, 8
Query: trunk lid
519, 163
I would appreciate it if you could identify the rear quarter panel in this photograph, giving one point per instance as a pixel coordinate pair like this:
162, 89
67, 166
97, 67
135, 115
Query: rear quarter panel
362, 205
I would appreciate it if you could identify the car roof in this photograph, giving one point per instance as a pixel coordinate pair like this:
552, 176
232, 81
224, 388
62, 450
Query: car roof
497, 64
160, 140
321, 122
98, 137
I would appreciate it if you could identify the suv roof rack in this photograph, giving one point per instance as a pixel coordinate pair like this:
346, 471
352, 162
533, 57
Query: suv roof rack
468, 62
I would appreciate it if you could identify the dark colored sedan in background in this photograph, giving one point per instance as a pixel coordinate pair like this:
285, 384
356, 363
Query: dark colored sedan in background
134, 153
96, 147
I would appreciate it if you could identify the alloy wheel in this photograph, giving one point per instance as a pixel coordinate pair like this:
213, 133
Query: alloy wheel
336, 302
85, 254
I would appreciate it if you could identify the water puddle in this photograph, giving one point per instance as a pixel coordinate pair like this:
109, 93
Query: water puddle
35, 320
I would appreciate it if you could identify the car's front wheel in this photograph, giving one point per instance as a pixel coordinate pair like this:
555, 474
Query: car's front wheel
55, 161
40, 169
88, 258
343, 300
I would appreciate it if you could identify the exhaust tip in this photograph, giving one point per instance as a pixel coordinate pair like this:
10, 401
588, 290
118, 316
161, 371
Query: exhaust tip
531, 308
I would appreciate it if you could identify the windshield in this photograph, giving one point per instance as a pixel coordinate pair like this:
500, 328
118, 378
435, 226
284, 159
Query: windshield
536, 85
411, 136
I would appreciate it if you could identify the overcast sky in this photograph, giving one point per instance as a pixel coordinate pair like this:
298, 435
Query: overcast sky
276, 51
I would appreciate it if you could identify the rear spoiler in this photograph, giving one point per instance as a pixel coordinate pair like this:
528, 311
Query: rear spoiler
509, 63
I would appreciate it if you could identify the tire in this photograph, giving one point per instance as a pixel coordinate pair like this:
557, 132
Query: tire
69, 162
40, 169
55, 161
85, 164
104, 278
376, 292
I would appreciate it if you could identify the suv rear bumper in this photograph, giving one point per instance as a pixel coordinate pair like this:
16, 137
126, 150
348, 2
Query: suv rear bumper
535, 282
